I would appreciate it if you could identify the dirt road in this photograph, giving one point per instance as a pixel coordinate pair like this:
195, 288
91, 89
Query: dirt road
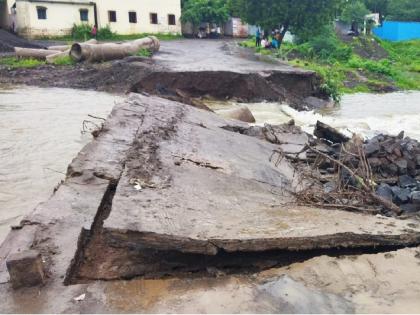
215, 55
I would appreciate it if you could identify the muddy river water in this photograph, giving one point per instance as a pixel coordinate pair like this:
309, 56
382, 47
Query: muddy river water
40, 133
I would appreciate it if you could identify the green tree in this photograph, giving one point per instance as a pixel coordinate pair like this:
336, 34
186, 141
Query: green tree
211, 11
378, 6
303, 16
354, 13
404, 10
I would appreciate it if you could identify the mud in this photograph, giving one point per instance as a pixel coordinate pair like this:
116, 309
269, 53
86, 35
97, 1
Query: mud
293, 87
110, 77
9, 41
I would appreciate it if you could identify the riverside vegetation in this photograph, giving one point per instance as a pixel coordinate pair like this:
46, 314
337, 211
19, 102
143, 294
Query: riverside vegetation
353, 64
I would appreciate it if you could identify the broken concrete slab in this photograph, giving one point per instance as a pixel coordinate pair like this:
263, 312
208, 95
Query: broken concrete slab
183, 191
25, 269
205, 189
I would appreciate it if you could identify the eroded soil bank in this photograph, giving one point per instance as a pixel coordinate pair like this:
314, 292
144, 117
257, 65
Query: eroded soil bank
179, 72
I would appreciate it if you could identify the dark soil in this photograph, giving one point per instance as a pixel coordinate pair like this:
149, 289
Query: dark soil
139, 76
117, 77
8, 41
244, 87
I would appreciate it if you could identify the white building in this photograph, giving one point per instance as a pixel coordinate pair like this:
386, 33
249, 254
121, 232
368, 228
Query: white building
32, 18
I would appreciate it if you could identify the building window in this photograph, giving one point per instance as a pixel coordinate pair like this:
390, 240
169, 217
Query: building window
42, 13
153, 18
84, 15
132, 17
112, 16
171, 19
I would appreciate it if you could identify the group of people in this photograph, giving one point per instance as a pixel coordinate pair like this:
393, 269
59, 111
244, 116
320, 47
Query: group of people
264, 41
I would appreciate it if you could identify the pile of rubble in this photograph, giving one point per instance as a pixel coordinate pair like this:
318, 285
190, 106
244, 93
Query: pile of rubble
380, 175
383, 171
396, 161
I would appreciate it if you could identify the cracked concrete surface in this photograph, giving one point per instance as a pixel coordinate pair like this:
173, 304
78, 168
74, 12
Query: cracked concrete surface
205, 192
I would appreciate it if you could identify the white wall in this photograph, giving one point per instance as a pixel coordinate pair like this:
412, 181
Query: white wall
143, 8
60, 18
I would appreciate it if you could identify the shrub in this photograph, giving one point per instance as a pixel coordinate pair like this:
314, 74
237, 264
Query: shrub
380, 67
81, 31
106, 33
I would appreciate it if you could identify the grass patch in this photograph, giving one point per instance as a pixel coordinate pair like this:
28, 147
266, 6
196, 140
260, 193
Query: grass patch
143, 52
64, 61
13, 62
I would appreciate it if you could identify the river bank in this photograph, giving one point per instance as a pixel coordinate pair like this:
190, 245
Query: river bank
354, 64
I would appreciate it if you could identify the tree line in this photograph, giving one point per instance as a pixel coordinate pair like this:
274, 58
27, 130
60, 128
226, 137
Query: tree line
302, 17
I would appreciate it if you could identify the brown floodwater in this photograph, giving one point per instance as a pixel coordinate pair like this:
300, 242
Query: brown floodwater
40, 133
364, 114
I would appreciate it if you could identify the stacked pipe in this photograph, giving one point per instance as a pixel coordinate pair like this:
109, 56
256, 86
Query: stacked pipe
111, 51
91, 50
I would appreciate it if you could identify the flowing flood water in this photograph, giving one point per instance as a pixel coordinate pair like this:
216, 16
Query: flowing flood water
364, 114
40, 133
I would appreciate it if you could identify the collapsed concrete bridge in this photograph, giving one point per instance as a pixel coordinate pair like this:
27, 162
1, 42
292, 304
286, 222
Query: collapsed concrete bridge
166, 189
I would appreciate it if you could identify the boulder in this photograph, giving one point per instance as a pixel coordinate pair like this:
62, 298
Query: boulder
415, 197
372, 147
401, 195
402, 166
406, 181
323, 131
242, 114
410, 208
384, 191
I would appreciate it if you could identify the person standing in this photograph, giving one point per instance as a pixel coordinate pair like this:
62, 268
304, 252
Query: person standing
258, 38
94, 32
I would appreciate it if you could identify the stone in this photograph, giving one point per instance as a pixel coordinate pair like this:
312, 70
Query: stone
25, 269
402, 166
418, 160
329, 187
391, 169
374, 162
323, 131
410, 208
401, 195
415, 197
242, 114
406, 181
385, 191
372, 147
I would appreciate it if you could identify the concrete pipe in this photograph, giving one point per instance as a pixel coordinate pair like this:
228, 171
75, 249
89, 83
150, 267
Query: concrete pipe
67, 47
34, 53
111, 51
